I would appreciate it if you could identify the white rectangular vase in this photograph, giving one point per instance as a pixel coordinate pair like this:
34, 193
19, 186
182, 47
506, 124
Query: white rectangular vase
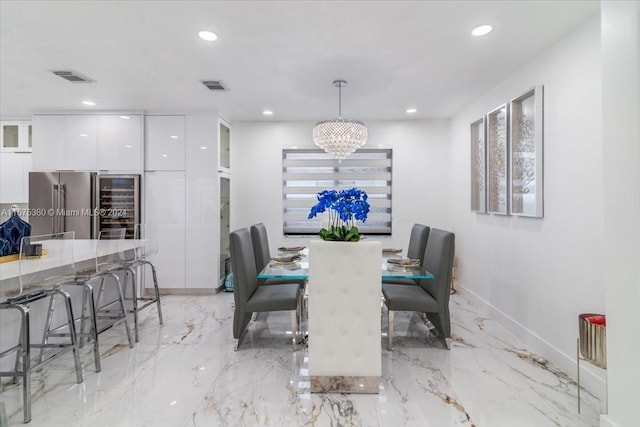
344, 316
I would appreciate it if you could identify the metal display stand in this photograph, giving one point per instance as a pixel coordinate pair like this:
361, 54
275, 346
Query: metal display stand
591, 344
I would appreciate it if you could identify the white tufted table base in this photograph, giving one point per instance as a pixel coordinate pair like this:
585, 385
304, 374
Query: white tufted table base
344, 316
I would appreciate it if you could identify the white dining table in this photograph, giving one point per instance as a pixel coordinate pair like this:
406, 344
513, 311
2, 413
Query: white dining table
62, 253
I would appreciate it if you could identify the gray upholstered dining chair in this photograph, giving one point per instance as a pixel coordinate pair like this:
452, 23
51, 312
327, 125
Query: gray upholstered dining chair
262, 255
251, 298
417, 246
432, 295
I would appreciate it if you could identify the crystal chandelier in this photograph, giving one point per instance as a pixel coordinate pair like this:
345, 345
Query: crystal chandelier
339, 137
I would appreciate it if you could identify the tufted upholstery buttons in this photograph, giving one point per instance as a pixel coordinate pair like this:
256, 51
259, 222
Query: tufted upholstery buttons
344, 308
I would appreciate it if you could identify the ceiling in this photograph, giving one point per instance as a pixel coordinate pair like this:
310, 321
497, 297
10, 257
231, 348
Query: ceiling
278, 55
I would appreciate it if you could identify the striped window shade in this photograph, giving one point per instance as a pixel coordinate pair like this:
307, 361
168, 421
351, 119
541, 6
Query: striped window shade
306, 172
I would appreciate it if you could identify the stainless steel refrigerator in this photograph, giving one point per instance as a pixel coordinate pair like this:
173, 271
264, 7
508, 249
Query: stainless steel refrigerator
83, 202
62, 201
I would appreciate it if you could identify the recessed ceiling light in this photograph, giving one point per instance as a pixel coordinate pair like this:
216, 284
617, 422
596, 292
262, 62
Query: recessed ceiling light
89, 103
125, 117
203, 148
207, 35
267, 112
128, 146
165, 155
174, 137
411, 110
482, 30
84, 135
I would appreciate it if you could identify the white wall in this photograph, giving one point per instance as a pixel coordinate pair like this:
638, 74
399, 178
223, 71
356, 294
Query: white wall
537, 275
621, 159
420, 173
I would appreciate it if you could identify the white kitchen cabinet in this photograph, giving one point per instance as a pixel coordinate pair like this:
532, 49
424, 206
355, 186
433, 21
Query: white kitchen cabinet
165, 143
195, 201
16, 135
120, 142
165, 211
185, 204
81, 150
49, 142
65, 142
88, 142
201, 202
14, 177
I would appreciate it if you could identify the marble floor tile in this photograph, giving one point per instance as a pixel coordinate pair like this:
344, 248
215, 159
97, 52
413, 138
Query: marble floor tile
186, 374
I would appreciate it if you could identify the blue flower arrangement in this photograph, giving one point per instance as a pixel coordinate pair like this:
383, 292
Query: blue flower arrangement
344, 208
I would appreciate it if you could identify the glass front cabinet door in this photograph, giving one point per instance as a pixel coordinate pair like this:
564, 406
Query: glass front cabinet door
16, 135
224, 228
224, 203
224, 144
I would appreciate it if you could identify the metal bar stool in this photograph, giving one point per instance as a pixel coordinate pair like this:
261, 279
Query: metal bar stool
107, 252
23, 356
109, 256
140, 258
36, 280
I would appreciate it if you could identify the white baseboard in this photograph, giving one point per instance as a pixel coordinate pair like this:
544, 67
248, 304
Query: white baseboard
605, 421
183, 291
592, 378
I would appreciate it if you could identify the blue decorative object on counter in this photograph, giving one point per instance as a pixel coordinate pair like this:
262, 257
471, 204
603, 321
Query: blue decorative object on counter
13, 230
5, 246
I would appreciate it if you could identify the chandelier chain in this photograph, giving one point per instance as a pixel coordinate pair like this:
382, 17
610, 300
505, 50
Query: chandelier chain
340, 100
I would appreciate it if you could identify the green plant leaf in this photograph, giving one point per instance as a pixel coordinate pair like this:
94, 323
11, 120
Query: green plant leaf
352, 235
340, 234
324, 234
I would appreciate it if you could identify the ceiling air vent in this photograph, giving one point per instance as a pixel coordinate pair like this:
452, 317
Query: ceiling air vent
73, 76
214, 85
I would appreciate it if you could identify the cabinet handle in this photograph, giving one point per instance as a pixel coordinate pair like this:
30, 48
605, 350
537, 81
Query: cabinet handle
63, 197
54, 204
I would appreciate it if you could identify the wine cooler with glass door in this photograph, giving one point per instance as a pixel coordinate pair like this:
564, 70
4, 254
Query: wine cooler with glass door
117, 203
